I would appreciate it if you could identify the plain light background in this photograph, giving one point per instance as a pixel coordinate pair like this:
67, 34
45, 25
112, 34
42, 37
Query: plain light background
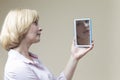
56, 19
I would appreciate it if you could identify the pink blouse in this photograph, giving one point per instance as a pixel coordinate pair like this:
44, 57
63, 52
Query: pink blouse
20, 68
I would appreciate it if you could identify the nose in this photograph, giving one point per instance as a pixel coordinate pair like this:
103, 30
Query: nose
86, 24
40, 29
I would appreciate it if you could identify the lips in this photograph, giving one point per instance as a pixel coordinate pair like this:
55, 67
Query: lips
86, 31
38, 33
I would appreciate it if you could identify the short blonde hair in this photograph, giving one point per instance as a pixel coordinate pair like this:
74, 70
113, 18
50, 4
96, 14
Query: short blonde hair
15, 27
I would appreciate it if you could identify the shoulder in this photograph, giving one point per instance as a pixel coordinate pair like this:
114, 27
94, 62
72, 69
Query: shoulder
16, 67
19, 70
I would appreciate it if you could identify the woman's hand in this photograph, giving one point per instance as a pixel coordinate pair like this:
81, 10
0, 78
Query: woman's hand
78, 53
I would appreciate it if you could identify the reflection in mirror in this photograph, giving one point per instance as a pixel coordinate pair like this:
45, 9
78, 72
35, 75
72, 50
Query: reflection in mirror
83, 32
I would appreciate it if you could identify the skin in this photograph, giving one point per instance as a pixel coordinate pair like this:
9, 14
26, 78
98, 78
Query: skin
83, 33
77, 54
33, 36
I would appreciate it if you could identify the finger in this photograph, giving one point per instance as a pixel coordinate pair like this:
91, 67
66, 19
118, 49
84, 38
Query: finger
92, 46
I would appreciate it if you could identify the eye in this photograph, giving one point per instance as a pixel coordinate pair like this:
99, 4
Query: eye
86, 21
36, 23
80, 23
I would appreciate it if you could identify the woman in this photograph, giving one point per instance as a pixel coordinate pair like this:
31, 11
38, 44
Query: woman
20, 30
83, 34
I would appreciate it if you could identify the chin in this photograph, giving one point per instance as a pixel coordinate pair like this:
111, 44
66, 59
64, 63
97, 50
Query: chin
38, 40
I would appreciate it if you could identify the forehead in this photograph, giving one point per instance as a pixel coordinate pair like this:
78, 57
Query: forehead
80, 22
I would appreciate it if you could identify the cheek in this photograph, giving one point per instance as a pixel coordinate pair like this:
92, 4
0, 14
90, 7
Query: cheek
79, 31
31, 35
33, 32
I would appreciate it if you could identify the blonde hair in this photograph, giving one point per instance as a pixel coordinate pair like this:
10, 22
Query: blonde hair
15, 27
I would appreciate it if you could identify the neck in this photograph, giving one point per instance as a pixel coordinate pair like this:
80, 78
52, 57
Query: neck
23, 49
83, 41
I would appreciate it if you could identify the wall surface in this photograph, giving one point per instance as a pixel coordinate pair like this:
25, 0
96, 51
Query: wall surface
56, 19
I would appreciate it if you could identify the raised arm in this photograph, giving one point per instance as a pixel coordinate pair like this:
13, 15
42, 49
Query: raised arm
77, 54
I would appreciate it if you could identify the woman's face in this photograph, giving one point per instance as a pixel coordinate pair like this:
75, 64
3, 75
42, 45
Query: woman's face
83, 30
34, 33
